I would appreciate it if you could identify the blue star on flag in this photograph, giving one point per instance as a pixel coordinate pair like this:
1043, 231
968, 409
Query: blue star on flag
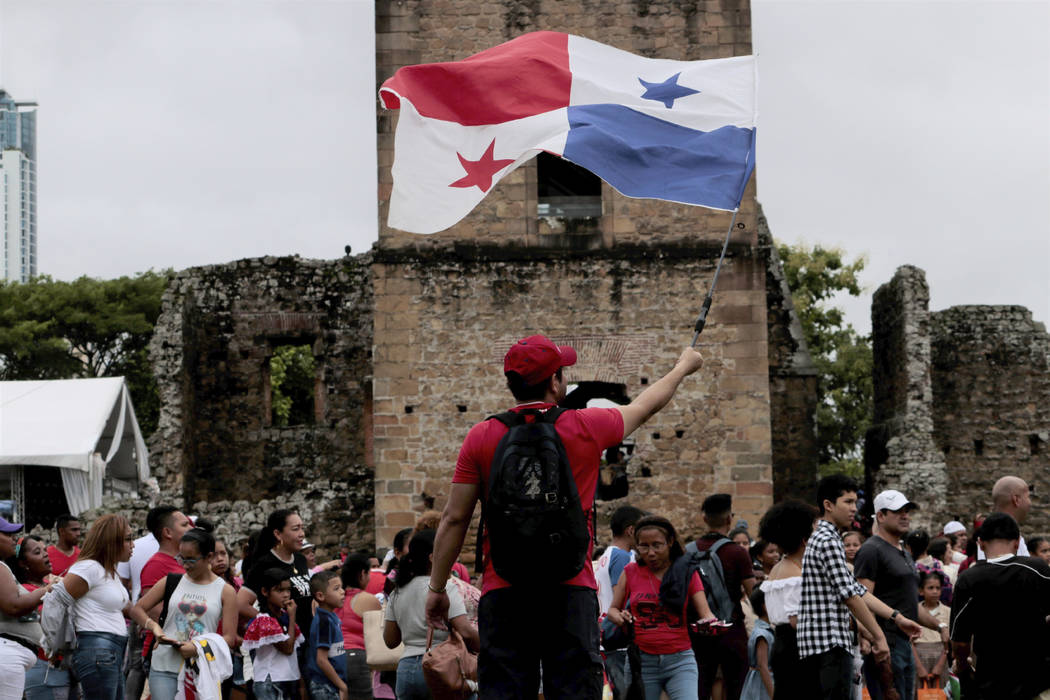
667, 92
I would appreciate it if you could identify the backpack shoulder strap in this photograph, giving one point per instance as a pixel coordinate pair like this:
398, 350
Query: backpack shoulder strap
508, 418
691, 548
171, 582
718, 544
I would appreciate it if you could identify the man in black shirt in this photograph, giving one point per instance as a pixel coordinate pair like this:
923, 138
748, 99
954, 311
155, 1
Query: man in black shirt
1000, 610
886, 569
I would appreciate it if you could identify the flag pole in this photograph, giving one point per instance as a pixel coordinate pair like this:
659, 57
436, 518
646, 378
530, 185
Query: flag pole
701, 320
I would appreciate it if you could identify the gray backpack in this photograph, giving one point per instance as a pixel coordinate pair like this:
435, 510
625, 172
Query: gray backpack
713, 577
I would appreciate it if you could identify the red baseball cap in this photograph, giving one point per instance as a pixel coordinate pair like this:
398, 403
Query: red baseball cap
536, 358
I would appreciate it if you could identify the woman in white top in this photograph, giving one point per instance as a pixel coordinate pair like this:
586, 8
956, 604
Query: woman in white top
100, 604
405, 617
788, 525
198, 604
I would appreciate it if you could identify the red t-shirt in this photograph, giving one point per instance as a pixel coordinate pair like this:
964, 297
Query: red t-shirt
353, 624
657, 630
60, 563
157, 569
586, 433
376, 581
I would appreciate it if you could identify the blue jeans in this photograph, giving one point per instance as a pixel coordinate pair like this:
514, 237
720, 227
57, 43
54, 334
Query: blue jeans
410, 682
321, 690
163, 684
275, 690
46, 683
98, 663
902, 661
676, 673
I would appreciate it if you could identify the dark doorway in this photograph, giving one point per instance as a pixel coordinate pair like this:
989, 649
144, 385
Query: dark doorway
612, 474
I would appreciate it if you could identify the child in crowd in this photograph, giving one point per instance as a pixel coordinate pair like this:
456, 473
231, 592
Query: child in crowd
758, 685
931, 658
1040, 547
851, 540
326, 660
273, 637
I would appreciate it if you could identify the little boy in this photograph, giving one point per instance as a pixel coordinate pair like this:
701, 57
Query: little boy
326, 660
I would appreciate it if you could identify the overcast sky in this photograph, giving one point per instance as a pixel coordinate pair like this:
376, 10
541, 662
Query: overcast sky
176, 133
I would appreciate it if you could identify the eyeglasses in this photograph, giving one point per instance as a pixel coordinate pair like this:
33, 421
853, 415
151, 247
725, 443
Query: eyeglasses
186, 562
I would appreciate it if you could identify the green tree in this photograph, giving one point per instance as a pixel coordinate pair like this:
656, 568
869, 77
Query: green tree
292, 385
841, 355
51, 329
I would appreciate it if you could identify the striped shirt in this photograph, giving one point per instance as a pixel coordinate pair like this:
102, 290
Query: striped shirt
823, 618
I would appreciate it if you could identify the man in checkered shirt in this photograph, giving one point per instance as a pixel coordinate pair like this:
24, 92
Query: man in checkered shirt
830, 594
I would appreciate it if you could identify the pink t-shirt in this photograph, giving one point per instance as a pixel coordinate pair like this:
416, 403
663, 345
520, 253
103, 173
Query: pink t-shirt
586, 433
657, 630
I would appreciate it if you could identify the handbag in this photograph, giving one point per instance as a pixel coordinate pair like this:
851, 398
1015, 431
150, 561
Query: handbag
448, 667
378, 655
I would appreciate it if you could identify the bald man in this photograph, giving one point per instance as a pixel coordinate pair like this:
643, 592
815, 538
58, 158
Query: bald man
1012, 496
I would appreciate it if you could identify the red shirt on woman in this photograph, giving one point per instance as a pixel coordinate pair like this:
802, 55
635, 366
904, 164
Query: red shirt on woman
353, 624
657, 630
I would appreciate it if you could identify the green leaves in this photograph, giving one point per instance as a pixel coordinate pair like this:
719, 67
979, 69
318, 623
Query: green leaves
85, 328
842, 356
292, 371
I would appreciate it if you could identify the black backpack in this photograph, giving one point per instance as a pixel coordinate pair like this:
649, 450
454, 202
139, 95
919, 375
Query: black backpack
709, 565
531, 508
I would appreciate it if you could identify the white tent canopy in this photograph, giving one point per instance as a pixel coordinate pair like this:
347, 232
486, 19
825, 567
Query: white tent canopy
86, 427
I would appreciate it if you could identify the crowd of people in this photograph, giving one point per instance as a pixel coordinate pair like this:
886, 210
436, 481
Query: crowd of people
823, 604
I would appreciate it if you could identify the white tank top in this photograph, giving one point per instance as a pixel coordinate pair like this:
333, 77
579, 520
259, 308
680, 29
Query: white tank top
193, 610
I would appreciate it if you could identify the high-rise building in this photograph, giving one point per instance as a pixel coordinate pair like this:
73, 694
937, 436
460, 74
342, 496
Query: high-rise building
18, 260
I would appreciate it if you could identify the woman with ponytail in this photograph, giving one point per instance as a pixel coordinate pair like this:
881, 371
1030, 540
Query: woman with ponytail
406, 616
279, 545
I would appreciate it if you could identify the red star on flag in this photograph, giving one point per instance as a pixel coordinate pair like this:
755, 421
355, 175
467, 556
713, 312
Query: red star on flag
480, 172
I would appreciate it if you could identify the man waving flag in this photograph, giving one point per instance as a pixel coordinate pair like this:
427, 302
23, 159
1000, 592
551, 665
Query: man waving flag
682, 131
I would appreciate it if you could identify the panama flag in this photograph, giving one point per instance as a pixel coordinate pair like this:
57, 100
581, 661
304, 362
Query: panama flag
682, 131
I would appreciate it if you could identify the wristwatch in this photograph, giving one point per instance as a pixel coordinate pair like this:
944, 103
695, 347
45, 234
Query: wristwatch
895, 614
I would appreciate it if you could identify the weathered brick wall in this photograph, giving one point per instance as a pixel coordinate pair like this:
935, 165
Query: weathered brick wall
962, 397
991, 398
211, 349
447, 321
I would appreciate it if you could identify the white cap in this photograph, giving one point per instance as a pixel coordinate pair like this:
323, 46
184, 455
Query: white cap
892, 500
954, 526
307, 544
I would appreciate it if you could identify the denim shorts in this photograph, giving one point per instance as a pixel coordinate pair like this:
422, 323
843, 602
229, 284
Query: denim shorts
98, 662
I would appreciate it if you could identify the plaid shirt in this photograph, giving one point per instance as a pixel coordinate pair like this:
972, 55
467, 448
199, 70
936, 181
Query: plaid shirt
823, 618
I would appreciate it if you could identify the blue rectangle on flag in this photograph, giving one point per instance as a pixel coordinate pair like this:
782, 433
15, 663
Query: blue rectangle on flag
643, 156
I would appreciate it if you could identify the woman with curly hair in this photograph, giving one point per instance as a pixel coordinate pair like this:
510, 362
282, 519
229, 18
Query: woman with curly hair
788, 525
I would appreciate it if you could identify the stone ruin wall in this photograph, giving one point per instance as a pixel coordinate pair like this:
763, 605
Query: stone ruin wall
439, 369
215, 446
962, 397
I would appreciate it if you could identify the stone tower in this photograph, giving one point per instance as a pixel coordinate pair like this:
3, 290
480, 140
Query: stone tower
559, 252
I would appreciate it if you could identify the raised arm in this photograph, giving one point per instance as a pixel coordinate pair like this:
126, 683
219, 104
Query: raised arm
649, 402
